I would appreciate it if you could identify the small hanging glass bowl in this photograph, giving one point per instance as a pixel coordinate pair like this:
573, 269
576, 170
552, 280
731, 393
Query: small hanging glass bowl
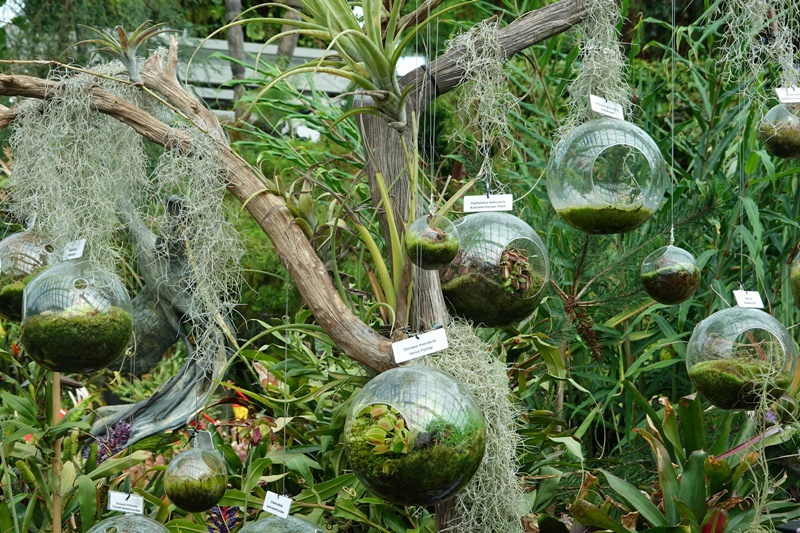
22, 255
431, 242
794, 279
276, 524
196, 480
606, 176
779, 131
128, 523
670, 275
741, 358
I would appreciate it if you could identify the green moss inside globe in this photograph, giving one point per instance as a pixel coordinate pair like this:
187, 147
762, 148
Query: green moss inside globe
605, 220
672, 284
11, 288
439, 461
781, 138
794, 278
732, 384
77, 339
198, 483
431, 253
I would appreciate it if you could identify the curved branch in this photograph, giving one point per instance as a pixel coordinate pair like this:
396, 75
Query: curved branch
353, 336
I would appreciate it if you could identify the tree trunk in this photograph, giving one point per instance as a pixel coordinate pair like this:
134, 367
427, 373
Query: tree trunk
235, 36
287, 43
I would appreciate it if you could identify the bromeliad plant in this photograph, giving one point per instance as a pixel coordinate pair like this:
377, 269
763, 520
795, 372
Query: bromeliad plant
366, 52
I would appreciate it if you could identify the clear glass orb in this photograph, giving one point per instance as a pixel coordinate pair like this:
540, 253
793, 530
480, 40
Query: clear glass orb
500, 273
128, 523
76, 317
431, 242
414, 435
196, 480
779, 131
276, 524
21, 256
740, 358
670, 275
606, 176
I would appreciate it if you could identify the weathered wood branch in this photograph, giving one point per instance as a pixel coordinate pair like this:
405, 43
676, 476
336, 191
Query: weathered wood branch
354, 337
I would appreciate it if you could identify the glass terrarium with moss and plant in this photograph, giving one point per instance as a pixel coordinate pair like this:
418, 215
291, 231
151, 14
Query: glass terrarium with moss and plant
76, 318
431, 242
414, 436
779, 131
670, 275
196, 480
741, 358
606, 176
22, 255
499, 275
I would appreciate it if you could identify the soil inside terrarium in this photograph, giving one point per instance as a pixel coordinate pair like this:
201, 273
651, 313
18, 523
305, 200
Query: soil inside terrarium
441, 460
196, 491
77, 339
781, 138
431, 253
481, 298
730, 384
672, 284
794, 277
606, 219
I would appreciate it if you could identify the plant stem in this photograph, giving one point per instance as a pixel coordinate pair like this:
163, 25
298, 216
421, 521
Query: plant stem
56, 404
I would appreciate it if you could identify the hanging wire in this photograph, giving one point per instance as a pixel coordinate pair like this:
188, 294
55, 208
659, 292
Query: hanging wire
285, 371
674, 50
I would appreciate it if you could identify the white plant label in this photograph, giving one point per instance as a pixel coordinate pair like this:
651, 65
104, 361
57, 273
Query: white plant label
74, 249
748, 299
788, 95
492, 202
277, 504
419, 345
606, 107
125, 502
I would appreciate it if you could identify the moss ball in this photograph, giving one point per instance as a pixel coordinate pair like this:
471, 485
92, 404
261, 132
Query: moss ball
737, 384
604, 220
779, 131
672, 284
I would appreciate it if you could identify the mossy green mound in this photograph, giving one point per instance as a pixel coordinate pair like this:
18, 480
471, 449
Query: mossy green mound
794, 278
605, 220
429, 254
75, 341
483, 300
780, 138
11, 288
441, 461
197, 489
730, 384
673, 284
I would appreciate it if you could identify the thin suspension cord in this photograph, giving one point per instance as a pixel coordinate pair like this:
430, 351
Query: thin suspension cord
674, 50
285, 371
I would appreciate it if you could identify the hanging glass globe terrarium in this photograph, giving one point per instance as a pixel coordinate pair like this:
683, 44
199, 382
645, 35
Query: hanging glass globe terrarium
76, 318
414, 435
779, 131
21, 256
128, 523
276, 524
606, 176
500, 273
670, 275
431, 242
740, 358
196, 480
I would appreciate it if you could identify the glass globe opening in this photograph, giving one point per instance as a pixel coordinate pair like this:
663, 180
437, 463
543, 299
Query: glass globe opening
414, 436
276, 524
670, 275
607, 176
741, 358
76, 318
500, 273
779, 131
